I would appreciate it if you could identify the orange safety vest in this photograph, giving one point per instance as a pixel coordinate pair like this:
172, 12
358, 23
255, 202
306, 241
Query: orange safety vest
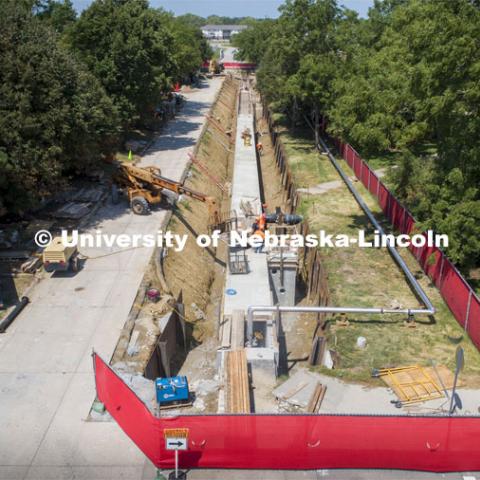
260, 233
262, 221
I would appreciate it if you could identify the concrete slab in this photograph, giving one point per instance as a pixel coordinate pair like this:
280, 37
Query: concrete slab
26, 353
252, 288
245, 183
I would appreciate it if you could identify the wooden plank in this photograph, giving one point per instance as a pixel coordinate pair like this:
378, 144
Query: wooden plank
226, 332
238, 329
317, 398
238, 384
314, 399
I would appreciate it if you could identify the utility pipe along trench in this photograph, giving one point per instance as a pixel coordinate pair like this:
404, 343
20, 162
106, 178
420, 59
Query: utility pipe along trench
413, 282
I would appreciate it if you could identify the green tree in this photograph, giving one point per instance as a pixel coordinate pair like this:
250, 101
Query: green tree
190, 48
252, 43
130, 48
58, 14
54, 116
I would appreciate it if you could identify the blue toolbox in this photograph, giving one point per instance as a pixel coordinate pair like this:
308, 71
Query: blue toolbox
171, 389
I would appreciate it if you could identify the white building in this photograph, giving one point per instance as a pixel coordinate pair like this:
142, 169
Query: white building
221, 32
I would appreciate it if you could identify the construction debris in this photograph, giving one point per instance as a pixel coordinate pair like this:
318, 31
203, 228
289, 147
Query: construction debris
199, 314
31, 265
88, 194
302, 390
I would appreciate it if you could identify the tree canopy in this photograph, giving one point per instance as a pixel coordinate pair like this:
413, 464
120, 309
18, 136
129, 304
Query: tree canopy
404, 80
70, 86
54, 114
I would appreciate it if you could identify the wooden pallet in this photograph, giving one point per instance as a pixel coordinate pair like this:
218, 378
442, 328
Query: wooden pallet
238, 382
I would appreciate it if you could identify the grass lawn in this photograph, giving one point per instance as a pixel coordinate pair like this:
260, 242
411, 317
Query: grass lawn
368, 277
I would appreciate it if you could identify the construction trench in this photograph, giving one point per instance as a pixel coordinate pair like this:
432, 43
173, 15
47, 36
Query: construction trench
244, 327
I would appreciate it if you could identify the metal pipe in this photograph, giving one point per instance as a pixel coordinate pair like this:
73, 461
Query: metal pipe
430, 309
325, 309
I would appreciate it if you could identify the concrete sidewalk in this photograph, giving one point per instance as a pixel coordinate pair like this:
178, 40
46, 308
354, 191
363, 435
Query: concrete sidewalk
46, 377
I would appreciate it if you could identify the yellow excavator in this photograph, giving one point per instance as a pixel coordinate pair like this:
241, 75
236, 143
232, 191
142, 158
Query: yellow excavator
144, 186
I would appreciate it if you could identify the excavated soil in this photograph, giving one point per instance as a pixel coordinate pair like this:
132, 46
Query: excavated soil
199, 272
196, 273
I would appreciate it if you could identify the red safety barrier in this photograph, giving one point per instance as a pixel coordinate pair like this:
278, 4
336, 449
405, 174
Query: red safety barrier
454, 291
459, 296
239, 65
297, 442
128, 410
473, 328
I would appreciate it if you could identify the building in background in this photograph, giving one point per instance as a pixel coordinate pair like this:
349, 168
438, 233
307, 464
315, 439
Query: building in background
221, 32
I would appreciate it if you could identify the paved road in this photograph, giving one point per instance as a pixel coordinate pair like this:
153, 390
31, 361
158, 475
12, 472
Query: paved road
324, 475
229, 54
46, 377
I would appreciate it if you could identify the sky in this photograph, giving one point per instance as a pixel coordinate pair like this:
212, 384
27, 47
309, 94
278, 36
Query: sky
231, 8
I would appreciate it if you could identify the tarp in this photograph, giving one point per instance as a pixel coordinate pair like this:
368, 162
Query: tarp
304, 442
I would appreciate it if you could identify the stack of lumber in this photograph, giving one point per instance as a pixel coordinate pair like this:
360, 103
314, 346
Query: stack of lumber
238, 384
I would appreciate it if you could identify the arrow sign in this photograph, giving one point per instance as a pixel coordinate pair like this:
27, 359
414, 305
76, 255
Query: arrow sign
176, 444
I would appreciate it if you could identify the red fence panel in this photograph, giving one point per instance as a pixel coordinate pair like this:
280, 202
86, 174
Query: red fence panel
297, 442
473, 326
433, 265
374, 181
409, 224
239, 65
357, 163
128, 410
383, 195
454, 291
397, 213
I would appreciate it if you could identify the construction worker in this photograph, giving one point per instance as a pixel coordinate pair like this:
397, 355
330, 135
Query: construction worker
261, 220
260, 148
261, 240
